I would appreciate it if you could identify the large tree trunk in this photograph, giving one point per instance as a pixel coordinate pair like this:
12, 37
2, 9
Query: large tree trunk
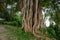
32, 16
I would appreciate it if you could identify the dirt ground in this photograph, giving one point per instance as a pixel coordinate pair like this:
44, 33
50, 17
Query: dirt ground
4, 35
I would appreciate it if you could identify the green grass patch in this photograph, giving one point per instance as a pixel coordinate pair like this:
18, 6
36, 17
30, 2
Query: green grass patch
20, 34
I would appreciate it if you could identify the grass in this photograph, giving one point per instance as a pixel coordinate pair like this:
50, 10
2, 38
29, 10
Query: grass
19, 34
16, 33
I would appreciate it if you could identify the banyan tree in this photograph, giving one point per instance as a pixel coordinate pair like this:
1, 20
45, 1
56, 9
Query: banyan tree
32, 15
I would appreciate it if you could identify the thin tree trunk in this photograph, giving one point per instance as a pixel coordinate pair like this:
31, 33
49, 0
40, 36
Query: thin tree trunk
20, 5
1, 6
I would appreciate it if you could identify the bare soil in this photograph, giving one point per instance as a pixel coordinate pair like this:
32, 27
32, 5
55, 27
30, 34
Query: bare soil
4, 35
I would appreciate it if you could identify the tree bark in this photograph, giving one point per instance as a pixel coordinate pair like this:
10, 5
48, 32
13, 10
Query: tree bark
1, 6
32, 16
